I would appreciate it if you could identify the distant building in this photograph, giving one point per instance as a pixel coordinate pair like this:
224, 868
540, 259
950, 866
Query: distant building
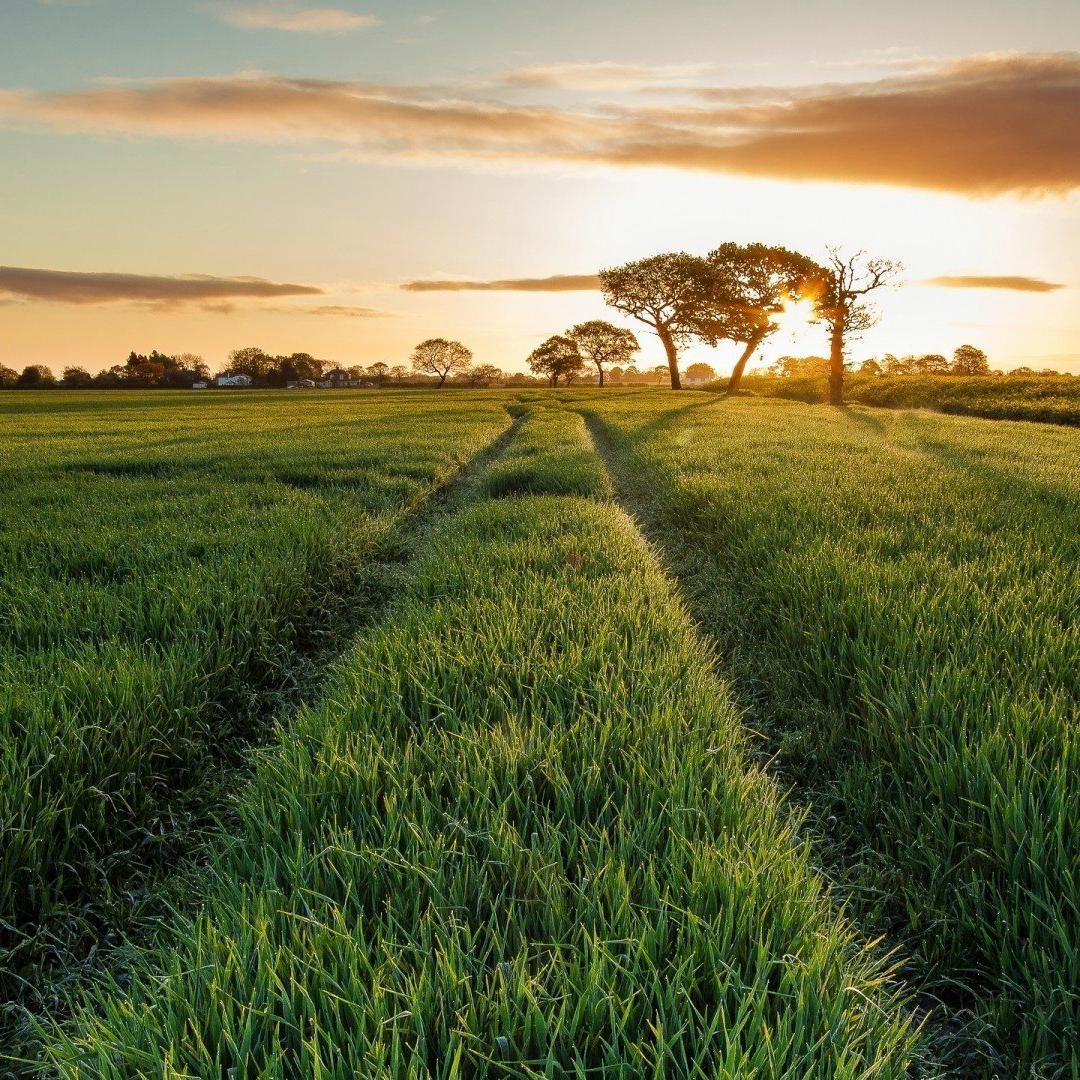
300, 384
337, 379
233, 380
198, 386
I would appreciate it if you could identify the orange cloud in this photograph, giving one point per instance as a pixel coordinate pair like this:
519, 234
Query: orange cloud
555, 283
297, 20
993, 281
984, 126
69, 287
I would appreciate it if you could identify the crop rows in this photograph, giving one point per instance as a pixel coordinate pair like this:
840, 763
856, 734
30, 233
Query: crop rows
898, 596
161, 562
519, 836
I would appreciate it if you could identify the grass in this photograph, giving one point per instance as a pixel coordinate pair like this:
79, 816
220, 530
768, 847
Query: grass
162, 558
1049, 399
521, 835
898, 597
522, 830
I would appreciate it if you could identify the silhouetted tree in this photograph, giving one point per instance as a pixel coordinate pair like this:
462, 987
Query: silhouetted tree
750, 285
253, 362
968, 360
665, 292
9, 377
77, 378
377, 371
844, 309
870, 367
440, 357
599, 343
555, 359
36, 377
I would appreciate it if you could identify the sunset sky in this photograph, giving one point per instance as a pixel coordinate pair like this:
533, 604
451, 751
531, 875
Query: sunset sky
195, 175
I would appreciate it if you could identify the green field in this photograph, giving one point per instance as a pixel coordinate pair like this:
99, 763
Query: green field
1050, 399
672, 736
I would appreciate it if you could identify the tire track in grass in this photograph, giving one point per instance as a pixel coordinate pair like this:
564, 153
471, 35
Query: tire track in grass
519, 836
169, 881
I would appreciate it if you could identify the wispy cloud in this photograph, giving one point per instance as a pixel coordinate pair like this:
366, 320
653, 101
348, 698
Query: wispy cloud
604, 75
555, 283
1015, 282
983, 126
71, 287
300, 20
342, 311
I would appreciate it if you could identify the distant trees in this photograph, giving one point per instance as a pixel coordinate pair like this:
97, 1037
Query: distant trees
77, 378
35, 377
557, 358
665, 292
439, 357
843, 306
9, 377
601, 344
483, 375
700, 373
968, 360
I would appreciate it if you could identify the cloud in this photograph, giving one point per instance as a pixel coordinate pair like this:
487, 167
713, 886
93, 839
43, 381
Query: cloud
341, 310
297, 20
555, 283
1015, 282
603, 75
69, 287
983, 126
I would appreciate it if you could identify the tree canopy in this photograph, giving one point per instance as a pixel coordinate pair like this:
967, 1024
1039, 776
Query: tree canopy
440, 357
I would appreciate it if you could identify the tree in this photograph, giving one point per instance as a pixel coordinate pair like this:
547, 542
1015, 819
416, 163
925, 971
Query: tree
440, 357
870, 367
752, 283
665, 292
483, 375
378, 371
600, 343
399, 373
968, 360
253, 362
9, 377
36, 377
929, 364
77, 378
659, 374
843, 306
555, 359
700, 373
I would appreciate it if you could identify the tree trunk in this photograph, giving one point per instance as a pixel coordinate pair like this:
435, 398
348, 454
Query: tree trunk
836, 362
740, 367
600, 369
442, 378
672, 357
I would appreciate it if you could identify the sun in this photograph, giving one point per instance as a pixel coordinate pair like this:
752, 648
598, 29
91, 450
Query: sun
795, 321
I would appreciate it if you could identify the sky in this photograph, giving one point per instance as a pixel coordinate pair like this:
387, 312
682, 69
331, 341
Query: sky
348, 178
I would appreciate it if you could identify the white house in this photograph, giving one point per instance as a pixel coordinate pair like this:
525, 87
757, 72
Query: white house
233, 380
198, 386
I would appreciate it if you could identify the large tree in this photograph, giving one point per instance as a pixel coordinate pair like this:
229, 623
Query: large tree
555, 359
843, 305
440, 357
600, 343
36, 377
750, 285
665, 292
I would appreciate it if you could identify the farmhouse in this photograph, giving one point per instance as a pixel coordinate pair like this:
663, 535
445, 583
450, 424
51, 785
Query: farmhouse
337, 379
233, 380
